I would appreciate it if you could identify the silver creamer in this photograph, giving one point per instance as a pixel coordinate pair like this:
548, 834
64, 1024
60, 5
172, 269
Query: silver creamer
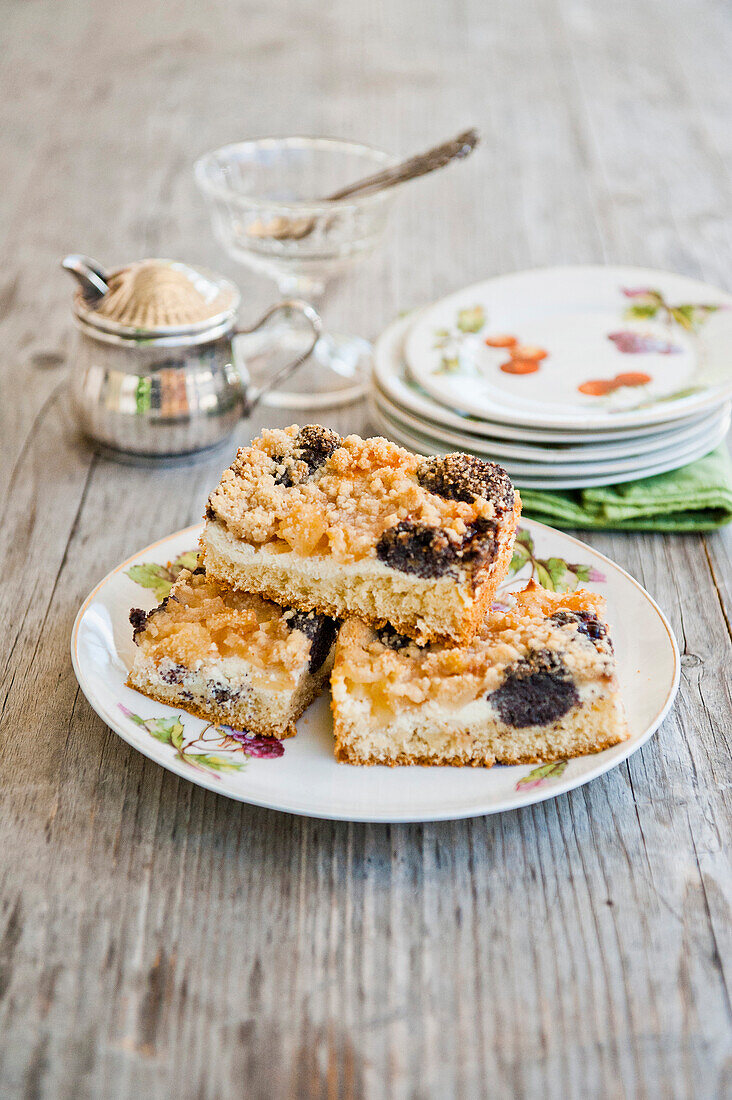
153, 374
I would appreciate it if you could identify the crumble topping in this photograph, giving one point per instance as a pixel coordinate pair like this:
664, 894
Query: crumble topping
521, 655
308, 490
202, 620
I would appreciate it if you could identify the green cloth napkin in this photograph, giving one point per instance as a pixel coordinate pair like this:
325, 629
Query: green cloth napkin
697, 497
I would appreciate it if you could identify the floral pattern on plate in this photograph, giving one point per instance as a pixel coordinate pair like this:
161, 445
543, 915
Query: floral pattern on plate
161, 578
474, 350
196, 751
647, 303
449, 341
537, 777
552, 573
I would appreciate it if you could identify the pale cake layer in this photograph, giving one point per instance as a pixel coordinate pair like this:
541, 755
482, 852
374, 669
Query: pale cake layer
255, 709
537, 683
231, 657
481, 741
363, 527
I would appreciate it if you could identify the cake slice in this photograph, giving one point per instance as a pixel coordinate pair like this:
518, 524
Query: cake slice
230, 657
363, 527
537, 683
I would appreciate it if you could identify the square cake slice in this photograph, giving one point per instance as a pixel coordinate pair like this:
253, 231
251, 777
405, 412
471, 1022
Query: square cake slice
363, 527
230, 657
537, 683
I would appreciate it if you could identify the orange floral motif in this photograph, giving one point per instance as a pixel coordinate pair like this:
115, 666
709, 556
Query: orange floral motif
600, 387
529, 351
520, 366
501, 341
632, 378
597, 387
523, 358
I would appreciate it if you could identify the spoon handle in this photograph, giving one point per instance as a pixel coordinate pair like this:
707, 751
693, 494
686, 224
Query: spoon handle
409, 169
90, 276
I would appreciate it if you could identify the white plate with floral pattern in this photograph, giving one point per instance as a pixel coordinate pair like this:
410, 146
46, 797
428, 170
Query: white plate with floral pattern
392, 381
558, 460
301, 775
499, 449
577, 347
579, 475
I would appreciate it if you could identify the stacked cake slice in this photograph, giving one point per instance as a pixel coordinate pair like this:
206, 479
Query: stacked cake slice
536, 683
406, 552
231, 657
362, 527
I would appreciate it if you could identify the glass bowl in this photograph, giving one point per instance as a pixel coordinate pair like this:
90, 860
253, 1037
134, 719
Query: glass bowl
269, 207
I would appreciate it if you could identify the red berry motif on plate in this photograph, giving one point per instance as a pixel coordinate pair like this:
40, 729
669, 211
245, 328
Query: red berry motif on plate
523, 358
600, 387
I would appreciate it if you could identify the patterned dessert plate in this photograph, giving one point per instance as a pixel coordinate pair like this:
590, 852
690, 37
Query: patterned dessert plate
557, 454
577, 347
305, 778
570, 475
393, 382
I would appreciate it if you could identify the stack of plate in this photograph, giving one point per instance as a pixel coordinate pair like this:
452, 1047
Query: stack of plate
569, 377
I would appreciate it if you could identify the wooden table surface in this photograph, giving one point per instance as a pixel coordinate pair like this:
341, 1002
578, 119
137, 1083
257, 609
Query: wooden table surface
157, 940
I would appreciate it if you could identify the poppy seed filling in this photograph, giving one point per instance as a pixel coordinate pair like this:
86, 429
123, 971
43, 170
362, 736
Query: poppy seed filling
139, 618
392, 639
313, 445
587, 624
536, 691
319, 629
429, 552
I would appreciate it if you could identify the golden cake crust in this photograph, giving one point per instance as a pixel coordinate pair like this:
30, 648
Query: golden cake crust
347, 754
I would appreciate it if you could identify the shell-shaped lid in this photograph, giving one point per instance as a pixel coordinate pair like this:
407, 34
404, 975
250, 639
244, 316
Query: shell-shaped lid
160, 298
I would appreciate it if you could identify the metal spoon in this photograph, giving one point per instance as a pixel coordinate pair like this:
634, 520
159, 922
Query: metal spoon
91, 276
282, 228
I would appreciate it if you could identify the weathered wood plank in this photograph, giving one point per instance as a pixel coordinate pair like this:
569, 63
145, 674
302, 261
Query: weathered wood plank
156, 939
